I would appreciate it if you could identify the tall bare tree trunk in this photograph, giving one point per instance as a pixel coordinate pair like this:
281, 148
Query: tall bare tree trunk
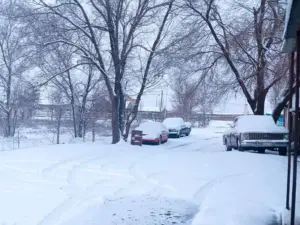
58, 125
115, 120
74, 116
7, 124
122, 111
8, 105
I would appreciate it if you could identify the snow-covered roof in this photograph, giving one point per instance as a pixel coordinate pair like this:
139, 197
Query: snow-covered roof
292, 19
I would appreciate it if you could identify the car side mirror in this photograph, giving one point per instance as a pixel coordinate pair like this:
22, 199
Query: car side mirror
230, 125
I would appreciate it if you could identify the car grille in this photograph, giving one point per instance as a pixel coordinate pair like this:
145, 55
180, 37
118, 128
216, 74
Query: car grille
266, 136
172, 130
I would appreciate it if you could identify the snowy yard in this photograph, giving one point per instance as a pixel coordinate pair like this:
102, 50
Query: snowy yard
191, 180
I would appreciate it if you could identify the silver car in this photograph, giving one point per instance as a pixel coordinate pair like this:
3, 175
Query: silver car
258, 133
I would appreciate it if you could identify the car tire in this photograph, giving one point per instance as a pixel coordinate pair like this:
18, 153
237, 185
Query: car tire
228, 148
159, 141
261, 151
240, 148
282, 151
188, 133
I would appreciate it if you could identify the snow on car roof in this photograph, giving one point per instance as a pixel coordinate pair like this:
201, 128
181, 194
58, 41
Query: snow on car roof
150, 125
258, 123
151, 128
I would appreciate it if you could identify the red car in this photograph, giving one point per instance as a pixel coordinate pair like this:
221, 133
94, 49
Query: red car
154, 132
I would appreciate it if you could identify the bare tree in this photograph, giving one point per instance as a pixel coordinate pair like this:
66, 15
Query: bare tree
91, 82
54, 66
247, 43
58, 99
193, 93
105, 36
16, 54
147, 71
98, 105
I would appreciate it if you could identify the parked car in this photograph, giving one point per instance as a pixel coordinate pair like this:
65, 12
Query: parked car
258, 133
153, 132
188, 126
176, 126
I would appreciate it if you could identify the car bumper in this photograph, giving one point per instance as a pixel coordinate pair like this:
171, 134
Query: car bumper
264, 143
150, 140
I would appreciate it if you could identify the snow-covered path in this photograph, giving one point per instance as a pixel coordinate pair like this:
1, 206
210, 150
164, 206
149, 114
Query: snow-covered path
191, 180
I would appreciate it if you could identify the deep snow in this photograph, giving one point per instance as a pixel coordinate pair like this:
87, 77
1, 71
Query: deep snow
191, 180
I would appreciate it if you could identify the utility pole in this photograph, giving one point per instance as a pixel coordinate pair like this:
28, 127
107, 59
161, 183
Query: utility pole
290, 128
161, 105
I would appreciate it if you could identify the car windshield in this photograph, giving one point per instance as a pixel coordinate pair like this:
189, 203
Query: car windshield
172, 121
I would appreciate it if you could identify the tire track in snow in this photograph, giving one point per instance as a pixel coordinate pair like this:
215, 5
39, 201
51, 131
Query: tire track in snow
49, 171
72, 173
203, 193
204, 148
181, 145
158, 183
149, 179
198, 141
73, 205
78, 198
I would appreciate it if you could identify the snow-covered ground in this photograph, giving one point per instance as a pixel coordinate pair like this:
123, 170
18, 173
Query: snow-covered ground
191, 180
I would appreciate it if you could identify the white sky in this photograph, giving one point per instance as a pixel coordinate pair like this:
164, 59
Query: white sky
232, 105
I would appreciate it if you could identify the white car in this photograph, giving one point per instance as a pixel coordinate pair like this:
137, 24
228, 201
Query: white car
153, 132
176, 127
258, 133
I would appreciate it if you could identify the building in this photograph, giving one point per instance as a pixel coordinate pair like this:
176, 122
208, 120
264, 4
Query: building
291, 46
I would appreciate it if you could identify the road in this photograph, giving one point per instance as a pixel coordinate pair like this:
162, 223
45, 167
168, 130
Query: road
191, 180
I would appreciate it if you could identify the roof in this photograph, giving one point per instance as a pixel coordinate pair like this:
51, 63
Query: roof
292, 20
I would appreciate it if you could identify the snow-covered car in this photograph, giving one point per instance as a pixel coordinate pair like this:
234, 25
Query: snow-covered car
153, 132
188, 126
253, 132
176, 126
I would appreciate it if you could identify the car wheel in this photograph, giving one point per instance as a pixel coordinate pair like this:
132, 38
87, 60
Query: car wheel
228, 148
159, 141
239, 147
189, 132
282, 151
261, 150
